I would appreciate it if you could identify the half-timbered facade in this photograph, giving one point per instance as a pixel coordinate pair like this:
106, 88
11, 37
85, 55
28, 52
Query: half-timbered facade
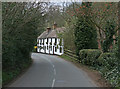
48, 42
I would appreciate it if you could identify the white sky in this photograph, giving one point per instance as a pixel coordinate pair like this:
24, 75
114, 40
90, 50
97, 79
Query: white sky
60, 0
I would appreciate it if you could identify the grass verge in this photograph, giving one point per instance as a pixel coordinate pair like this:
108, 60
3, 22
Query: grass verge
93, 74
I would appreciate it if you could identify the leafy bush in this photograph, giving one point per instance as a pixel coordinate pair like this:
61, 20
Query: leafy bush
89, 56
109, 68
85, 34
119, 46
19, 35
69, 38
107, 59
109, 32
106, 63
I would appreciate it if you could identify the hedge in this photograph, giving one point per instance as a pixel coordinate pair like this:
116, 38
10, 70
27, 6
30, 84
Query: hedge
19, 36
106, 63
107, 59
85, 34
89, 56
108, 67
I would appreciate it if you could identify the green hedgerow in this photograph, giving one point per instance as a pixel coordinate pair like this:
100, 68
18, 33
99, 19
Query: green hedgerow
89, 56
85, 34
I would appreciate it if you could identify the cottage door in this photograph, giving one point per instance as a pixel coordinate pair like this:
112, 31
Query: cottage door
45, 49
49, 49
53, 49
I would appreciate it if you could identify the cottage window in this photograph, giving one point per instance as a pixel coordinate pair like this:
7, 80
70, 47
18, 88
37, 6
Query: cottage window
47, 47
43, 41
55, 41
40, 41
60, 49
47, 40
55, 49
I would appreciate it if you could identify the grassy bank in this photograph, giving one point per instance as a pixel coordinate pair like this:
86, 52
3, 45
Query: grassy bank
108, 76
93, 74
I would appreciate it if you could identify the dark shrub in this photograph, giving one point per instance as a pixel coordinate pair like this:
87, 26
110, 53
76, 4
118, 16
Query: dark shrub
107, 59
109, 32
89, 56
85, 34
108, 66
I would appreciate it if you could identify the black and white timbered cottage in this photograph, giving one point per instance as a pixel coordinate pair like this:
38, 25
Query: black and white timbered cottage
48, 42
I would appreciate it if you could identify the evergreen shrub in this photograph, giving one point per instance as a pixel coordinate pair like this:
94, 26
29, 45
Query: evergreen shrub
85, 34
89, 56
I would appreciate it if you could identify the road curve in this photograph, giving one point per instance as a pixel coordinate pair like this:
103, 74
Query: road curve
52, 71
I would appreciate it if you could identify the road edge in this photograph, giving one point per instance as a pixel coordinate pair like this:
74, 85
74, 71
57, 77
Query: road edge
99, 80
18, 76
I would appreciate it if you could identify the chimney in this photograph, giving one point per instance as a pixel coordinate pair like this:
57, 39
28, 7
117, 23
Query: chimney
48, 29
54, 25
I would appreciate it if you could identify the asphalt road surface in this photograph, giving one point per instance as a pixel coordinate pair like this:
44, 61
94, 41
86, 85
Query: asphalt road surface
52, 71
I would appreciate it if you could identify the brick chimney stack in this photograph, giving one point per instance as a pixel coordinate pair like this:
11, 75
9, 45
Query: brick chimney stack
48, 29
54, 25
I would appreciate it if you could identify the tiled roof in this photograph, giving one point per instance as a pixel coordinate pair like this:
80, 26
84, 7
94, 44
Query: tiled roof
52, 33
43, 35
59, 30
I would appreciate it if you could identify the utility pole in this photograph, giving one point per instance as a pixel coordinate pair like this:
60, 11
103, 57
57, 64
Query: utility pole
119, 29
118, 54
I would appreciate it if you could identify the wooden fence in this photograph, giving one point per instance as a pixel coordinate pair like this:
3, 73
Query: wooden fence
70, 54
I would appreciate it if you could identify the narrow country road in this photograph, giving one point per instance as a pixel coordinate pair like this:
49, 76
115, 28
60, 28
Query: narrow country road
52, 71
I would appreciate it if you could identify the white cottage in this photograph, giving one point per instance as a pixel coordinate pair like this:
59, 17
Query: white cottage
48, 42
